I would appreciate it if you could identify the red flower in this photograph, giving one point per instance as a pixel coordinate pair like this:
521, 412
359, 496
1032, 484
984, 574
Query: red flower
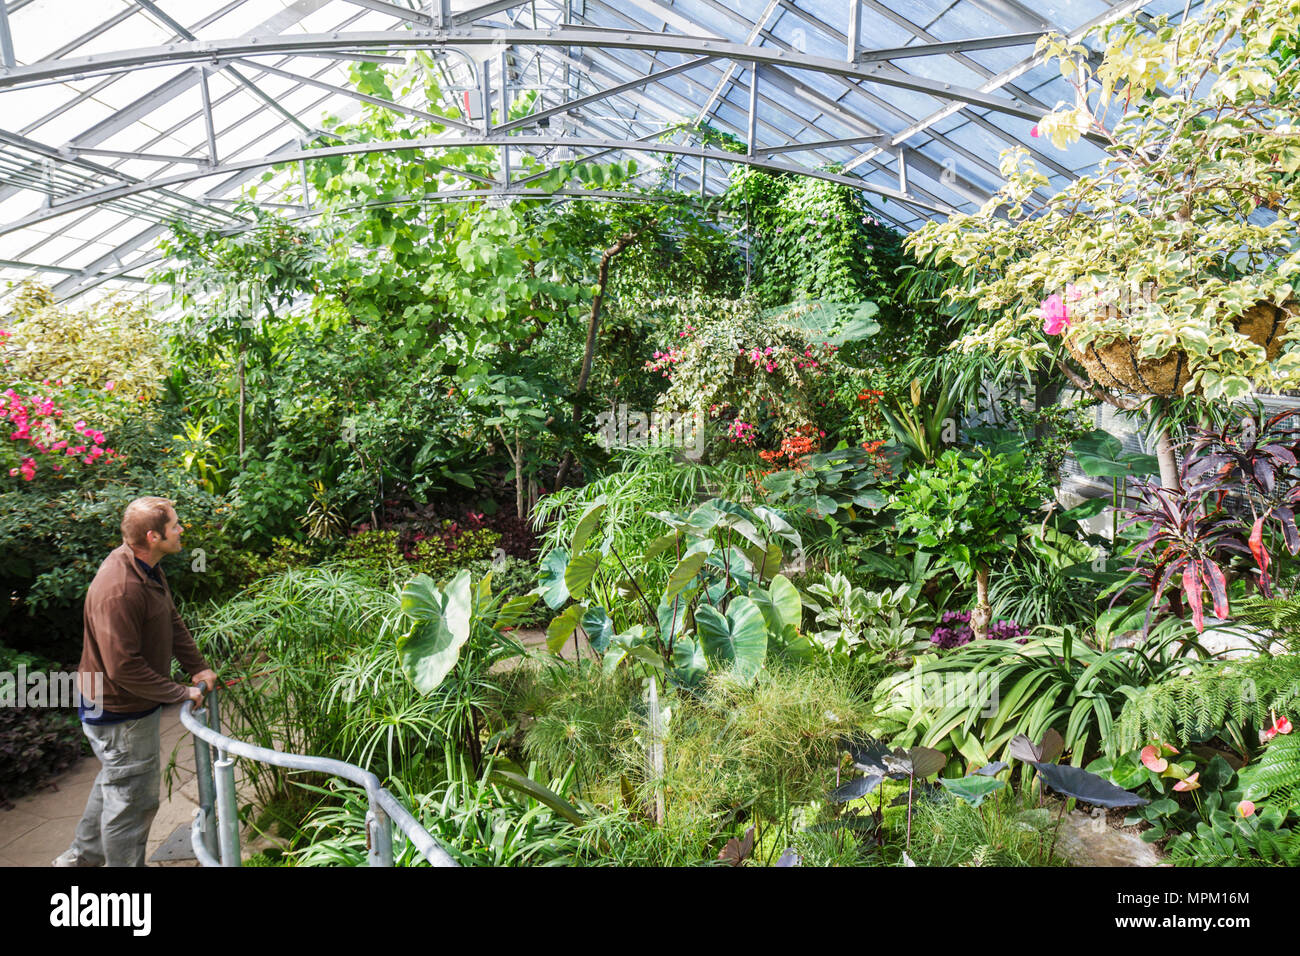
1280, 726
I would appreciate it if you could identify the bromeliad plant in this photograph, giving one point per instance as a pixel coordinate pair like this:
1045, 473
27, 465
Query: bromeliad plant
719, 602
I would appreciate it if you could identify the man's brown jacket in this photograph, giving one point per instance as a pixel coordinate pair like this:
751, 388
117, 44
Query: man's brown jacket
132, 631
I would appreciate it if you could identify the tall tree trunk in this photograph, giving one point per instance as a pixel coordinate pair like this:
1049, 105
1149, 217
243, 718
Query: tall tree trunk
243, 352
983, 613
593, 326
1168, 462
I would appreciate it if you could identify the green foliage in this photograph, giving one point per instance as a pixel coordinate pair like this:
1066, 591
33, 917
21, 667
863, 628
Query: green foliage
885, 625
115, 346
812, 239
1005, 830
759, 374
1233, 694
969, 508
282, 644
478, 822
646, 481
1186, 158
975, 699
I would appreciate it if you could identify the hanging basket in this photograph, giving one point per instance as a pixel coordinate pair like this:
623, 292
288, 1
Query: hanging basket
1115, 365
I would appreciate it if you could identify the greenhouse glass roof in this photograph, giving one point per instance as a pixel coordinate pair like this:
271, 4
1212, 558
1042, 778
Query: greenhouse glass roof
118, 117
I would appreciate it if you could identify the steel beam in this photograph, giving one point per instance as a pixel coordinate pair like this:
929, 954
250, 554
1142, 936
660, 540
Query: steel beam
532, 118
106, 194
1116, 12
46, 72
6, 39
944, 49
393, 10
393, 105
208, 125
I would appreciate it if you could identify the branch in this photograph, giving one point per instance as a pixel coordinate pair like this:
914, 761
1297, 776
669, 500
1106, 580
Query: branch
1124, 403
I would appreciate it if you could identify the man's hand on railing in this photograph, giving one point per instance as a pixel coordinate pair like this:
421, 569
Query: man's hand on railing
205, 682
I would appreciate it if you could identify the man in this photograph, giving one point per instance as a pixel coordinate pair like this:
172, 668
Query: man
132, 631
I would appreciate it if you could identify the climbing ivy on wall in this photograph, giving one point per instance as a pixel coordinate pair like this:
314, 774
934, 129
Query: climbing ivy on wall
812, 239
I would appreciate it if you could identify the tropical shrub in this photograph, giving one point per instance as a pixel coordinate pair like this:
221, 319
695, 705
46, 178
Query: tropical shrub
970, 510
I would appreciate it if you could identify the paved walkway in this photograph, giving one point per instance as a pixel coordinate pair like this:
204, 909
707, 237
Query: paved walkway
41, 824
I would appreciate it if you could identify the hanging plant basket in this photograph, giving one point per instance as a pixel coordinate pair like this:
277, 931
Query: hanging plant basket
1115, 365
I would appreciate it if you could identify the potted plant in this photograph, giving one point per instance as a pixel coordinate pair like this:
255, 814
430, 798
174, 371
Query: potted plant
1170, 269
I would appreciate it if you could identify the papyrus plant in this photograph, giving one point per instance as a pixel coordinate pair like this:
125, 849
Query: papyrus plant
1188, 222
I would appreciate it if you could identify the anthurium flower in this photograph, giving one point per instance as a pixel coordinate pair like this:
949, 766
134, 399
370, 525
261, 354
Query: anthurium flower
1188, 784
1280, 726
1152, 760
1055, 316
1245, 808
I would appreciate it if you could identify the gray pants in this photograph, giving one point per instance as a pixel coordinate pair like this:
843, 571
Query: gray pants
114, 829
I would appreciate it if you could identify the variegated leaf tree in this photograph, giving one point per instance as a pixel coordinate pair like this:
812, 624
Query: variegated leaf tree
1171, 268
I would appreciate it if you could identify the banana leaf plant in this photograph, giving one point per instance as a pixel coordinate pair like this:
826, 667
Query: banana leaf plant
722, 605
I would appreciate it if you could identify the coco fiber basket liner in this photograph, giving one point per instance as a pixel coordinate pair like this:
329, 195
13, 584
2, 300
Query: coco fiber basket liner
1116, 365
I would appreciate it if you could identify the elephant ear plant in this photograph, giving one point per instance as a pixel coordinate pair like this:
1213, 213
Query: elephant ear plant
704, 597
440, 627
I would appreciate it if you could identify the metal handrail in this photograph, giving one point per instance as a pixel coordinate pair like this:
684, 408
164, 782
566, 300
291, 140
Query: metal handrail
216, 821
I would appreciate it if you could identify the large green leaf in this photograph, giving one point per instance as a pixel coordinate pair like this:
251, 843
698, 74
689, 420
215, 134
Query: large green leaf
441, 627
974, 790
739, 638
538, 792
600, 629
587, 524
563, 626
1101, 454
578, 575
687, 568
550, 580
689, 665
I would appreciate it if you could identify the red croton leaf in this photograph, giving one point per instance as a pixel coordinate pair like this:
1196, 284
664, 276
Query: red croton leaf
1256, 542
1218, 586
1192, 586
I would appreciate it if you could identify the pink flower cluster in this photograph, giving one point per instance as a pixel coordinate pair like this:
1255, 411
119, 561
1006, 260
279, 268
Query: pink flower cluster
1055, 313
663, 362
742, 432
36, 422
766, 358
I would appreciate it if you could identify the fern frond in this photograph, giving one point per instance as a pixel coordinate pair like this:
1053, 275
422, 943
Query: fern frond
1193, 706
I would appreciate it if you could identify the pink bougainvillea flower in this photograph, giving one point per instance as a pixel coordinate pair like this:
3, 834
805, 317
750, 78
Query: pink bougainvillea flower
1152, 760
1055, 316
1245, 808
109, 386
1280, 726
1034, 132
1188, 784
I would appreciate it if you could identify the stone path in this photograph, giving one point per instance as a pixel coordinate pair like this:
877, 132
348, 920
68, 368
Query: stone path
41, 824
